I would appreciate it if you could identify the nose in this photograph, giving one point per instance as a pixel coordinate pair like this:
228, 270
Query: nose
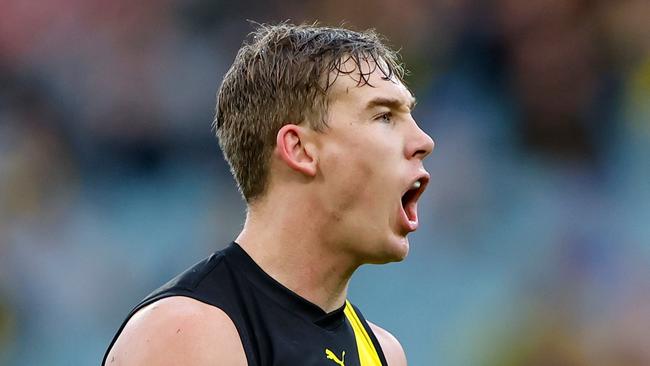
420, 144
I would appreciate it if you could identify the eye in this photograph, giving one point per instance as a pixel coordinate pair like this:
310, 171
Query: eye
385, 117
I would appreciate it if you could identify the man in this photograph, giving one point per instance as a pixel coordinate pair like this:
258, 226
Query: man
316, 125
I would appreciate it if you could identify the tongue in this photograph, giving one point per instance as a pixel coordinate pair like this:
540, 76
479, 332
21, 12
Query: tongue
409, 216
408, 205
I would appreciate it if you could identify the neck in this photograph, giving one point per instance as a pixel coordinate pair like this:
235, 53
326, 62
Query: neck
290, 244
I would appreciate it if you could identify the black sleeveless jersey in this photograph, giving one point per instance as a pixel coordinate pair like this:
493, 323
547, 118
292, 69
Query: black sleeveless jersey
276, 326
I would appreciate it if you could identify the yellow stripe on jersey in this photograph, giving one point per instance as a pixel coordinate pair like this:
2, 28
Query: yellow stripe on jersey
367, 353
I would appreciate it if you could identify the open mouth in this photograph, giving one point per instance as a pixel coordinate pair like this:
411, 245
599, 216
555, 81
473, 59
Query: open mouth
410, 201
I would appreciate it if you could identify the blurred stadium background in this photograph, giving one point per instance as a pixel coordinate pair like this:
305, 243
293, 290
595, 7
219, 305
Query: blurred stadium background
535, 243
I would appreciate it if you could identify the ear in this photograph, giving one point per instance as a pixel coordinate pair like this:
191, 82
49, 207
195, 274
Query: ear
292, 148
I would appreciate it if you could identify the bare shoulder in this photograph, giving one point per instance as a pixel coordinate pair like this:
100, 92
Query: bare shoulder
393, 350
178, 331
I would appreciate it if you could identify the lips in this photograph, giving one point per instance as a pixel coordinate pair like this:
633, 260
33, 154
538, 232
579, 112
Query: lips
409, 202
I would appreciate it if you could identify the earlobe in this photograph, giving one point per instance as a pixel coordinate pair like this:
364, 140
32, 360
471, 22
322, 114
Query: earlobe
292, 148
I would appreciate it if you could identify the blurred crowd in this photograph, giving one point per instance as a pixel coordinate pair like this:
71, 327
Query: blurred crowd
534, 247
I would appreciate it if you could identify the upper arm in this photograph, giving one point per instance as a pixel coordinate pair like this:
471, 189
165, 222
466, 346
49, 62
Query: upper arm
178, 331
393, 350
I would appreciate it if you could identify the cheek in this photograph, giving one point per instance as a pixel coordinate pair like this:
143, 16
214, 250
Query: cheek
358, 170
350, 178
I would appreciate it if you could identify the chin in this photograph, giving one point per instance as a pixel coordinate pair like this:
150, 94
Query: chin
394, 250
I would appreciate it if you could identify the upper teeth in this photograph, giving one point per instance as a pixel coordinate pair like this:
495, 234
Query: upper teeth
416, 184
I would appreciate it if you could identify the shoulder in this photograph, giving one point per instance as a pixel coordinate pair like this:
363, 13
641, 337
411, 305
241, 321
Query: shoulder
178, 330
393, 350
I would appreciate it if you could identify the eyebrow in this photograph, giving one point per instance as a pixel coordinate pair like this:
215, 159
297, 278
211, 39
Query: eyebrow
392, 103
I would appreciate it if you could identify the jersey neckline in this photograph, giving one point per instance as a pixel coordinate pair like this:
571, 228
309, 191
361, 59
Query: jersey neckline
280, 293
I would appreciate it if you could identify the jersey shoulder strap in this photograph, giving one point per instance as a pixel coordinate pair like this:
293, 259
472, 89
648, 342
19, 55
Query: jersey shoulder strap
370, 353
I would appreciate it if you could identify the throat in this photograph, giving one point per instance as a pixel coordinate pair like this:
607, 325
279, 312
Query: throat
313, 274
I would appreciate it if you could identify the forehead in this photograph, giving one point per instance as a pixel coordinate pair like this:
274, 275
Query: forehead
348, 87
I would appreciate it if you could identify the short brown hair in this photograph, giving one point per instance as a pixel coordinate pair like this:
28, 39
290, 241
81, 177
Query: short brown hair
282, 76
